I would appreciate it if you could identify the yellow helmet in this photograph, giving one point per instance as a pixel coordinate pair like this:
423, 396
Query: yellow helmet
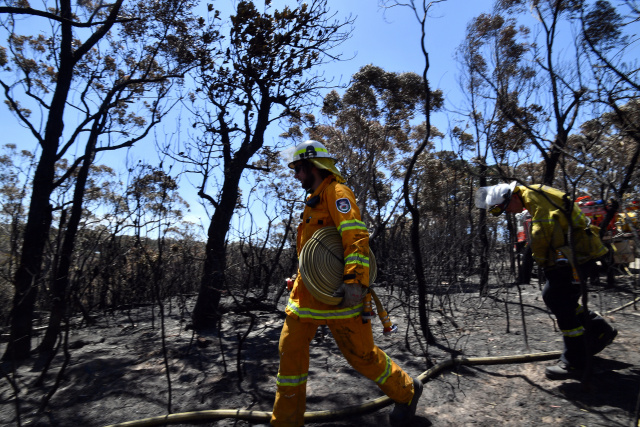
316, 153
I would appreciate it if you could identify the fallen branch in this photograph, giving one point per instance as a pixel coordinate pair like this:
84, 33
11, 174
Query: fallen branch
623, 306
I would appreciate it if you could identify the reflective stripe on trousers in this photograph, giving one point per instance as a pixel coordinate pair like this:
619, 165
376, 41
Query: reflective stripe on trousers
571, 333
355, 341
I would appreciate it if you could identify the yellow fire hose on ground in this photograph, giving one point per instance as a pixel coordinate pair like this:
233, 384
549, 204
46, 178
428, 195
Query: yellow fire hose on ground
336, 414
321, 267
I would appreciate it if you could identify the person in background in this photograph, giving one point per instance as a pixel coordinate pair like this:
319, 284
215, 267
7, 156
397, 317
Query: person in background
331, 203
553, 216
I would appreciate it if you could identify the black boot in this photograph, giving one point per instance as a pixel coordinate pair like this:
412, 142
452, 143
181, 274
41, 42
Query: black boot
604, 339
403, 413
563, 371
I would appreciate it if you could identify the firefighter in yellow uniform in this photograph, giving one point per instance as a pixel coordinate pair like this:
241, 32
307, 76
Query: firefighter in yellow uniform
331, 203
553, 214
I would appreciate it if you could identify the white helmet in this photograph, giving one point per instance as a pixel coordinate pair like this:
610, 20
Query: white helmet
305, 151
499, 194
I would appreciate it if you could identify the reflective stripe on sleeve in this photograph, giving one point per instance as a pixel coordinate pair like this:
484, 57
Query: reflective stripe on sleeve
310, 313
578, 216
291, 380
351, 224
549, 220
387, 372
357, 259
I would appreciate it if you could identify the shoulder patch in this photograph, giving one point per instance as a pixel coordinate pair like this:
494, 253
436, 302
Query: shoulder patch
343, 205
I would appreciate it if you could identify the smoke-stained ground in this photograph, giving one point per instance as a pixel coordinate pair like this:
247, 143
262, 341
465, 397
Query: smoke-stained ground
116, 370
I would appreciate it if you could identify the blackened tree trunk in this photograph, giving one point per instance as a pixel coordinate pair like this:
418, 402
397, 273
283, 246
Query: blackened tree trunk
39, 219
411, 206
213, 275
269, 57
484, 238
60, 284
40, 212
64, 57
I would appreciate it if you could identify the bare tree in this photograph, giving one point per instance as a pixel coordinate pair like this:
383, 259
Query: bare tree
15, 169
483, 115
369, 134
263, 75
618, 84
102, 77
421, 11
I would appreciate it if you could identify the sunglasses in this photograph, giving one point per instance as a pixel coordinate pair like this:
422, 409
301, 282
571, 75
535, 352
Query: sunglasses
496, 210
297, 168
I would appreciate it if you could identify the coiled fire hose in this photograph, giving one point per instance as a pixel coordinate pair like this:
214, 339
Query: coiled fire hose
322, 267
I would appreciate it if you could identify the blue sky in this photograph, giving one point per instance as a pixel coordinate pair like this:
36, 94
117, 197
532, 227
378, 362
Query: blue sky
391, 41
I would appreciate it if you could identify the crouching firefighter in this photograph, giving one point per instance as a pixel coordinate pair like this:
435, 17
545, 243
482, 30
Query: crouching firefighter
331, 203
553, 215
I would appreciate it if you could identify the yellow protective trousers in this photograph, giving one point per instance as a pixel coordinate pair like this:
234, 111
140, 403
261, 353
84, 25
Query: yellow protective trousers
355, 341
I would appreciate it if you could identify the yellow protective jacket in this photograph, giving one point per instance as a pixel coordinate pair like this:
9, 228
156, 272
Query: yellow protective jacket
550, 226
336, 208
